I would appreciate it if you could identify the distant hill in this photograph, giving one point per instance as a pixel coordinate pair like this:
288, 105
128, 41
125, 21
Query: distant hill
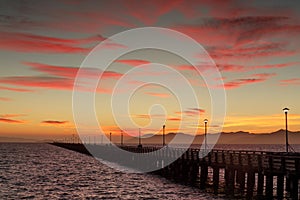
239, 137
16, 140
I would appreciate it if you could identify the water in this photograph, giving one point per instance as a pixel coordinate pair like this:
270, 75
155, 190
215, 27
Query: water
42, 171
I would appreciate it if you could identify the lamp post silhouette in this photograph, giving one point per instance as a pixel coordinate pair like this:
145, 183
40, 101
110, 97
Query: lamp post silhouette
140, 139
121, 138
205, 134
164, 141
286, 110
110, 137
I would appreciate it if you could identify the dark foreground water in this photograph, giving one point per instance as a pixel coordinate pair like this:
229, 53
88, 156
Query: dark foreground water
42, 171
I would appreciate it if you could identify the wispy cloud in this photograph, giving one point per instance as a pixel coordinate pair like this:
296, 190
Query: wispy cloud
54, 122
161, 95
71, 72
133, 62
15, 89
11, 115
39, 82
7, 118
292, 81
11, 121
255, 78
31, 43
5, 99
174, 119
56, 77
191, 112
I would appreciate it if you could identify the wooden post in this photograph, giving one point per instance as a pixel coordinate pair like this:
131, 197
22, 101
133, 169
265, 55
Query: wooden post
269, 186
250, 183
216, 177
241, 180
288, 183
260, 184
280, 180
294, 188
229, 181
203, 175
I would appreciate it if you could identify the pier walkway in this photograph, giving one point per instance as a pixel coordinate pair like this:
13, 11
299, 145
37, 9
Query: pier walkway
236, 174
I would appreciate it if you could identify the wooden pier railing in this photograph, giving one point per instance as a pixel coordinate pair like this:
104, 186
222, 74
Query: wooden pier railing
246, 174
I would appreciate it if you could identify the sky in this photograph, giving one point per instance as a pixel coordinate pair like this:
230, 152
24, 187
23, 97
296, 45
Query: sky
254, 44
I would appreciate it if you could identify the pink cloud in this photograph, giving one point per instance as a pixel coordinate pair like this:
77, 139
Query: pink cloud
31, 43
231, 38
148, 12
281, 65
11, 115
55, 122
62, 78
161, 95
292, 81
231, 68
71, 72
143, 116
15, 89
174, 119
147, 116
186, 68
104, 90
5, 99
11, 121
256, 78
133, 62
191, 112
255, 50
199, 110
6, 118
39, 82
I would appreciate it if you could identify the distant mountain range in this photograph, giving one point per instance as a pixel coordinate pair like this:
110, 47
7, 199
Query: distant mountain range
239, 137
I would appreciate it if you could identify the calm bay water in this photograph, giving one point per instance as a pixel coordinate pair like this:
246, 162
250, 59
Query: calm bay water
42, 171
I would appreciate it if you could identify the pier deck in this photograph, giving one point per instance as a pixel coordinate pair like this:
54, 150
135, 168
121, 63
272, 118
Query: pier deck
246, 174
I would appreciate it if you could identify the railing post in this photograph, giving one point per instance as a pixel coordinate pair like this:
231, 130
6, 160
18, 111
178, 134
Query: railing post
216, 177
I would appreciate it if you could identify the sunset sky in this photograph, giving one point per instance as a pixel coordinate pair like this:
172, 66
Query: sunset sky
255, 45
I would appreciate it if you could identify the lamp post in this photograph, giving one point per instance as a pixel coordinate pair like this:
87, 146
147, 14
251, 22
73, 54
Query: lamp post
164, 141
286, 110
110, 137
140, 139
121, 138
205, 134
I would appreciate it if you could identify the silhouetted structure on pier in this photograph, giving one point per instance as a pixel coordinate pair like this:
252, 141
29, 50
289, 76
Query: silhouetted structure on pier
249, 174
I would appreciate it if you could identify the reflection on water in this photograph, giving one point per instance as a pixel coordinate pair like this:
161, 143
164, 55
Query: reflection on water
42, 171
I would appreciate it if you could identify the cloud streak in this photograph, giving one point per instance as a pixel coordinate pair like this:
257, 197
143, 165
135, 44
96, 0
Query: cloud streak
133, 62
71, 72
32, 43
54, 122
5, 99
191, 112
15, 89
255, 78
292, 81
161, 95
6, 118
39, 82
11, 121
56, 77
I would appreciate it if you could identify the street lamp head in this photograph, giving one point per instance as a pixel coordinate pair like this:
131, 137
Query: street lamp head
205, 121
285, 110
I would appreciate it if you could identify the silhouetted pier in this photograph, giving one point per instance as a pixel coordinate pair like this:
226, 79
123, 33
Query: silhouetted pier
247, 174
